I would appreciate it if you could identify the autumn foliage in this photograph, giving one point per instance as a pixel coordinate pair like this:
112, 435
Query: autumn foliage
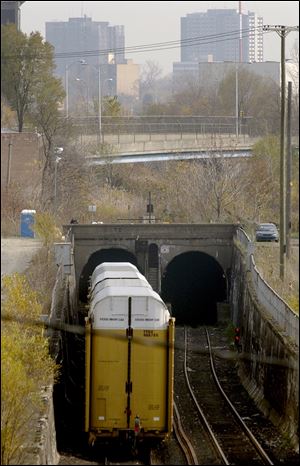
26, 366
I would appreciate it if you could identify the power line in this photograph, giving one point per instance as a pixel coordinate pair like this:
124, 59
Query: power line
178, 43
81, 331
200, 40
154, 49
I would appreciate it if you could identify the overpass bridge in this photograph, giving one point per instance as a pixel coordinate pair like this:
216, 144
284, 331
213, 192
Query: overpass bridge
130, 139
132, 148
162, 156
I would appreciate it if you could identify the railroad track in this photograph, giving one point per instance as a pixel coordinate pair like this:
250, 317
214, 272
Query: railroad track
232, 441
183, 440
190, 421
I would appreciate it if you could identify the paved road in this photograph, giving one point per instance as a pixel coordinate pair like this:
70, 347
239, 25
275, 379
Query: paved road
17, 253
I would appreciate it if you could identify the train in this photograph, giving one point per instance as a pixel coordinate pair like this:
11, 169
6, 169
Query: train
129, 357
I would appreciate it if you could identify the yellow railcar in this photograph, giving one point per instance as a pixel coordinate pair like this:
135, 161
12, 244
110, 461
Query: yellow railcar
129, 357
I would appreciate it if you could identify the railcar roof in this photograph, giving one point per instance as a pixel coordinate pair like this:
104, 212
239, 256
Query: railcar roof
116, 267
127, 278
123, 282
129, 291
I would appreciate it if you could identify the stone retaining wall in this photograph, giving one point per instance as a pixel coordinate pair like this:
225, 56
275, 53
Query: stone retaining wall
268, 366
43, 450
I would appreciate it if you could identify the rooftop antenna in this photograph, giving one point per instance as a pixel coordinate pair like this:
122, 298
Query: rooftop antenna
82, 9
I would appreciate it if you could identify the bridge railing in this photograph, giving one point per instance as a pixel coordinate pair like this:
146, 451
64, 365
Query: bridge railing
286, 318
169, 128
156, 124
165, 124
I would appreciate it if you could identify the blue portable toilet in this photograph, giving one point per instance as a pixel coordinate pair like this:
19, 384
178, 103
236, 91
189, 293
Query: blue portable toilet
27, 221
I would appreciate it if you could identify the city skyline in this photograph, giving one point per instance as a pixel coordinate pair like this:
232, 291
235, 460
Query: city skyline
154, 22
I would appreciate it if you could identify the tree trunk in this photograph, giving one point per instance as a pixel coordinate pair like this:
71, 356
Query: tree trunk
47, 194
20, 122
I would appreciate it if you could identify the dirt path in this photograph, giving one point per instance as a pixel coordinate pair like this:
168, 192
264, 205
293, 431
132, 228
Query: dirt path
17, 253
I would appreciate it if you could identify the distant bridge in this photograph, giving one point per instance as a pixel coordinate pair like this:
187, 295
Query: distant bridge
162, 138
132, 148
158, 156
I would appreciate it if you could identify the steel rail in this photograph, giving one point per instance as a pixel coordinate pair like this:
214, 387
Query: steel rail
203, 418
253, 440
182, 439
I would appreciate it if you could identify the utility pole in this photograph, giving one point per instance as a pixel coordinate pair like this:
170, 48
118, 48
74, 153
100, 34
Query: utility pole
99, 104
8, 165
282, 31
236, 101
241, 27
288, 171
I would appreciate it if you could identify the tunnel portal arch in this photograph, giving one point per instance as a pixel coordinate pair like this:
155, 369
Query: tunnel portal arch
193, 283
102, 255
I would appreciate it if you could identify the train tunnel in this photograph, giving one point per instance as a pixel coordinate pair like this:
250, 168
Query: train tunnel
193, 283
103, 255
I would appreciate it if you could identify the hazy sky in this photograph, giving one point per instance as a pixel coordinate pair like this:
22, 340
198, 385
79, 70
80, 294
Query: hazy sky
153, 22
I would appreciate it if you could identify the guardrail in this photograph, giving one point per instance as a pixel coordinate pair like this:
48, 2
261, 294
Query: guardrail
286, 318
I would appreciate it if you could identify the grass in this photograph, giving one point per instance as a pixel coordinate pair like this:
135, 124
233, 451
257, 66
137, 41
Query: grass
266, 256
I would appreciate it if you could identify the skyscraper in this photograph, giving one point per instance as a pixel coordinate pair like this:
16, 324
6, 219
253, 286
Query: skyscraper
217, 32
96, 44
96, 41
256, 45
89, 57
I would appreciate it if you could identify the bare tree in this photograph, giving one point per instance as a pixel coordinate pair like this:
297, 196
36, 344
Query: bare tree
151, 73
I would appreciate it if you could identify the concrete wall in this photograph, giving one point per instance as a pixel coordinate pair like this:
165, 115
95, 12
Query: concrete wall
268, 366
130, 143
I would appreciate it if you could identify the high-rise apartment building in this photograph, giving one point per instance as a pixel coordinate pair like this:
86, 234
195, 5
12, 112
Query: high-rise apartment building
89, 56
96, 41
215, 36
256, 45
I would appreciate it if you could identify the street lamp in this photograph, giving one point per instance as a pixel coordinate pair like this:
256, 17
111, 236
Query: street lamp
98, 69
80, 62
87, 93
236, 94
100, 106
57, 150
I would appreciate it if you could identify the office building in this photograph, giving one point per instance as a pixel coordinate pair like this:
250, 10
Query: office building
215, 36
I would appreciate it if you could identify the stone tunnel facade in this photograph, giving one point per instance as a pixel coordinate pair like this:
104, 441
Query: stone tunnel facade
181, 262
